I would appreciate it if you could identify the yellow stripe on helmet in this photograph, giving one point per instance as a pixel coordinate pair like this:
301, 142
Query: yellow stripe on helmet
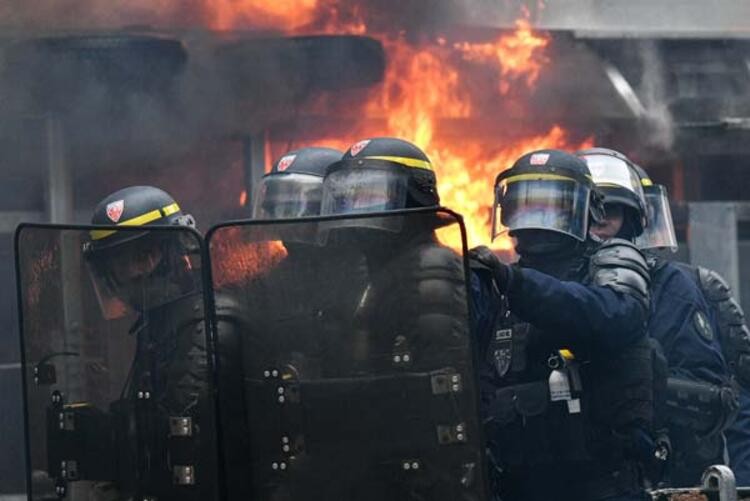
141, 220
646, 182
538, 177
409, 162
170, 209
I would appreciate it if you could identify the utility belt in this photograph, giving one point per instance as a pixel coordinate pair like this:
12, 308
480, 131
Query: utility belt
702, 408
542, 421
549, 421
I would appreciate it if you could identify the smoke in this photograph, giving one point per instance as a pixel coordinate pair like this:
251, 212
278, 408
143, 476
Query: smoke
653, 94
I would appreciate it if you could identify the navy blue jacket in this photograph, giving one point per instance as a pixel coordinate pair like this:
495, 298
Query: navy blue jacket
675, 301
576, 316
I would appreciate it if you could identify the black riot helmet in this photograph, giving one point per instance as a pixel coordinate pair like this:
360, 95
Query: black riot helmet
546, 200
659, 235
294, 187
616, 178
140, 269
376, 175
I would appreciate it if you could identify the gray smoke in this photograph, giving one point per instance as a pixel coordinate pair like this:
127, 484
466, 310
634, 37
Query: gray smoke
654, 97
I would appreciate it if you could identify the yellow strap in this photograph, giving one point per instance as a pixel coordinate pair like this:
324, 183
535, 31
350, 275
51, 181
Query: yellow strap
141, 220
537, 177
409, 162
171, 209
567, 354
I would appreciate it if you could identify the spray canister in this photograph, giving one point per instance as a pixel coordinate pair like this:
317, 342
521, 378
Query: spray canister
559, 385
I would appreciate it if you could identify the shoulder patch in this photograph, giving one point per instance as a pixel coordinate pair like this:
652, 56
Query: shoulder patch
703, 326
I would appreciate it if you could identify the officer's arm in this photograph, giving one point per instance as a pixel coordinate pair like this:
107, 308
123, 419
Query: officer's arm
608, 314
579, 314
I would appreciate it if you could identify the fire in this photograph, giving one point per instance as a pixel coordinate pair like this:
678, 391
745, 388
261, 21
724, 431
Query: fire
287, 15
435, 94
519, 55
425, 87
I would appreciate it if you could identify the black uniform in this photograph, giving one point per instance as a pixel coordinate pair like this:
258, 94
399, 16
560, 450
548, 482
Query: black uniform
412, 351
163, 424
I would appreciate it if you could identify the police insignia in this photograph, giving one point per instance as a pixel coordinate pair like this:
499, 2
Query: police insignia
115, 209
702, 326
359, 146
502, 352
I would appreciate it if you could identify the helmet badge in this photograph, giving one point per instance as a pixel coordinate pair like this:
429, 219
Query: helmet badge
539, 158
357, 147
114, 210
285, 162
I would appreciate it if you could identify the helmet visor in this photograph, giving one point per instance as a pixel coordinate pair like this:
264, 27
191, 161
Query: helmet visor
144, 272
660, 231
612, 172
365, 190
542, 202
288, 195
356, 191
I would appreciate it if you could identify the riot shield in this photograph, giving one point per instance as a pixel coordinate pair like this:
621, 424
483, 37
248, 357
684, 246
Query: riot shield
118, 385
356, 362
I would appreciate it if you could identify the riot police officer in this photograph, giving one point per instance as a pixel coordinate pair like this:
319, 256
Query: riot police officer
164, 419
679, 320
410, 324
700, 357
301, 311
293, 189
568, 372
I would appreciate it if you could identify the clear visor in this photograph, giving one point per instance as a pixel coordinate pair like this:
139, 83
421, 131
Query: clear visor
141, 274
608, 171
291, 195
660, 231
365, 190
559, 205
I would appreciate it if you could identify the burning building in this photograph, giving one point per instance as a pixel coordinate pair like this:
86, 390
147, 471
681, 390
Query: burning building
199, 96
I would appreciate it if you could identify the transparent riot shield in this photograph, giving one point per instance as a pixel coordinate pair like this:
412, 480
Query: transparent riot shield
119, 400
347, 370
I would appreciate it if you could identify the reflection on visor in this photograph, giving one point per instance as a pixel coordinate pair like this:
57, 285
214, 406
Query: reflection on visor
363, 190
555, 205
288, 196
611, 171
659, 234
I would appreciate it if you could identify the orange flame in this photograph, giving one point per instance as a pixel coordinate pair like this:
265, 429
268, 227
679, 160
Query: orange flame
286, 15
429, 91
519, 55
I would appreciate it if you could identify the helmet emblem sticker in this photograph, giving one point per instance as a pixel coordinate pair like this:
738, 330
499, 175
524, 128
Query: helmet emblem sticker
285, 163
357, 147
114, 210
539, 158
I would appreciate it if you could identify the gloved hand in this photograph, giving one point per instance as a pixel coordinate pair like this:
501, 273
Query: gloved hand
502, 273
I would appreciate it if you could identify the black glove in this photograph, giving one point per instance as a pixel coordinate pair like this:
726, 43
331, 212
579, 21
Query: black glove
502, 274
